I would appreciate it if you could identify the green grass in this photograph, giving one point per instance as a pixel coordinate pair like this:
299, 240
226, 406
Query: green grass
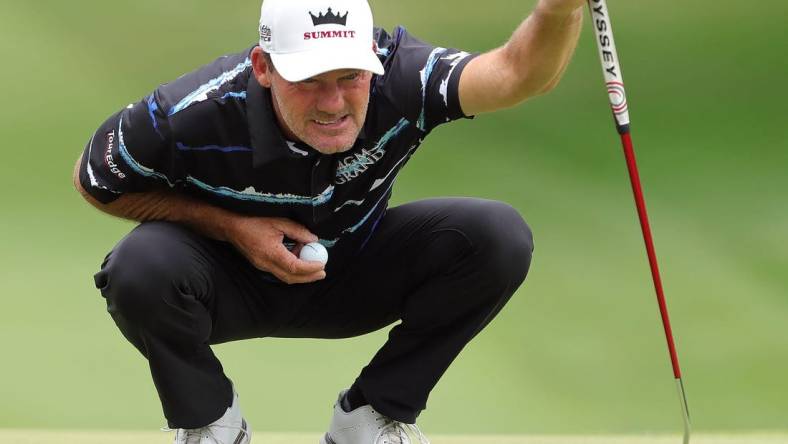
578, 350
98, 437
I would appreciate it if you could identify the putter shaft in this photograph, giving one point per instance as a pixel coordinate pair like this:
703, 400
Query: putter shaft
614, 82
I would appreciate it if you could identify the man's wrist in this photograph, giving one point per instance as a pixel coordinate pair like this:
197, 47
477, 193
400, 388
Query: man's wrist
224, 224
548, 11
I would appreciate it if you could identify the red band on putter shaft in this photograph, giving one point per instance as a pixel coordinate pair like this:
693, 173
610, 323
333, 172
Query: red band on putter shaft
640, 202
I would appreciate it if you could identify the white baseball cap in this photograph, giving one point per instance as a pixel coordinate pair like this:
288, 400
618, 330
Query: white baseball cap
309, 37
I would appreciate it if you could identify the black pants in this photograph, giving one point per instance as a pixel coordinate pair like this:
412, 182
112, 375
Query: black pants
444, 267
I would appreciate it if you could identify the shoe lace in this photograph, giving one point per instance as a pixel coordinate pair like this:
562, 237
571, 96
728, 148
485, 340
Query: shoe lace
183, 436
198, 433
395, 432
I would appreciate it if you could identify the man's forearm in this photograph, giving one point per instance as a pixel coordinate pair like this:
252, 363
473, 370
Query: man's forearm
540, 49
209, 220
259, 239
530, 63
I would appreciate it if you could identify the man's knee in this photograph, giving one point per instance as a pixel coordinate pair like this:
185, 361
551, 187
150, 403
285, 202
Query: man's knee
144, 271
502, 240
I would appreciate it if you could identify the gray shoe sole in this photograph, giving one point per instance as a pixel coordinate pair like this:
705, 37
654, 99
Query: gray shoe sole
242, 434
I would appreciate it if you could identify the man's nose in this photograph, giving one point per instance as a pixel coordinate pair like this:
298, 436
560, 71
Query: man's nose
330, 99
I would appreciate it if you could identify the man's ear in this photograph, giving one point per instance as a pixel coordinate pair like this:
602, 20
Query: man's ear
263, 72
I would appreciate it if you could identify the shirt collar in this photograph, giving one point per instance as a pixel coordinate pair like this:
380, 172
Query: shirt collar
268, 142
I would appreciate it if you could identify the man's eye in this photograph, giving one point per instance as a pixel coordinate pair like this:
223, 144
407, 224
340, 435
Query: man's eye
353, 76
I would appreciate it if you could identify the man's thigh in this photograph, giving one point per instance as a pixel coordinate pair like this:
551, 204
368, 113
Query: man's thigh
414, 244
167, 265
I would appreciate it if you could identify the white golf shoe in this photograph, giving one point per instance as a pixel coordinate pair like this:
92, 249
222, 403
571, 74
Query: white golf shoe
364, 425
229, 429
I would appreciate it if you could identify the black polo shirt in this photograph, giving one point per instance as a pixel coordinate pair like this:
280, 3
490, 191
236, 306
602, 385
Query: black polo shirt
213, 134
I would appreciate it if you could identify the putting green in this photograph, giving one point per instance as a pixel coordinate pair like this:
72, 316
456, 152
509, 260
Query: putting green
76, 437
578, 350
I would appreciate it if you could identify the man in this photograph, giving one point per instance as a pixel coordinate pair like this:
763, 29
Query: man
234, 167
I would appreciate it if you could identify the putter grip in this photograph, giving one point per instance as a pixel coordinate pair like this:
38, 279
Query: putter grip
600, 21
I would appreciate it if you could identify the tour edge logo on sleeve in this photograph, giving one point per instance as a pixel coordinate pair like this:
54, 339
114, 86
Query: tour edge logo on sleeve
109, 159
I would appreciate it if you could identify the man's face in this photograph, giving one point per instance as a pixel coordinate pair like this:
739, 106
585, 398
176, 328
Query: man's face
326, 112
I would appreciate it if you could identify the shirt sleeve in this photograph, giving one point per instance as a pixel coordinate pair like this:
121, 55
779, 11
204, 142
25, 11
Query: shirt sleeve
422, 80
131, 152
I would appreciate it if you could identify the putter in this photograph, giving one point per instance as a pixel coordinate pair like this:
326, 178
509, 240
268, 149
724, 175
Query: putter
600, 20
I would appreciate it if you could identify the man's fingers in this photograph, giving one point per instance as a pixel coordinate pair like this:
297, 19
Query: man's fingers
260, 240
294, 279
300, 267
297, 249
291, 264
297, 232
284, 275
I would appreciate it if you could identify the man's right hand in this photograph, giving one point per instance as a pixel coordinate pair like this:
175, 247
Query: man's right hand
260, 240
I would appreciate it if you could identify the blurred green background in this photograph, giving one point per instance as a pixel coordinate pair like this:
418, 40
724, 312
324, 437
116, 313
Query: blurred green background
579, 349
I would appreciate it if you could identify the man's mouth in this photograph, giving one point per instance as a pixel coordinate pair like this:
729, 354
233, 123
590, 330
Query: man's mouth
332, 124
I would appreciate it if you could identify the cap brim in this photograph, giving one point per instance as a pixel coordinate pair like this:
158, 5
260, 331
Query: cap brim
298, 66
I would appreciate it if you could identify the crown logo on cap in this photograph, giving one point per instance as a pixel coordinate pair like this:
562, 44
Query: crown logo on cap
329, 18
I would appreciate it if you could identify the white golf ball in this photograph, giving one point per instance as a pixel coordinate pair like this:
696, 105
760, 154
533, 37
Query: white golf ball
314, 252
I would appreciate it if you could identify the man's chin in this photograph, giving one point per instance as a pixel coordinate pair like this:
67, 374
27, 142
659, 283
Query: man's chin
333, 145
332, 149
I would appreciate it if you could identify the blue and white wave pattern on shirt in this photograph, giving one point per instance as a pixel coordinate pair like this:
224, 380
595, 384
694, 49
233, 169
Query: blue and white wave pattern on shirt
455, 59
138, 168
425, 75
251, 194
248, 194
201, 93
